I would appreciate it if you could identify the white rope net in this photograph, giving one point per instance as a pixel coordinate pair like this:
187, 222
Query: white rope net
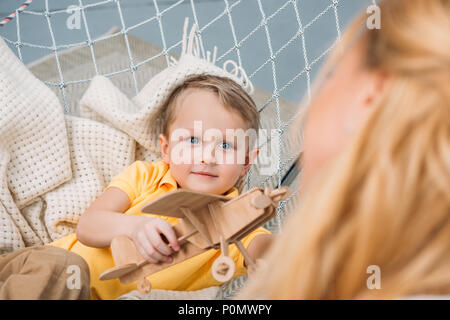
162, 13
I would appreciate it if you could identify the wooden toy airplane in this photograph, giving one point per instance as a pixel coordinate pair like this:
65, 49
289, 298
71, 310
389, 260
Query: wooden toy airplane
205, 221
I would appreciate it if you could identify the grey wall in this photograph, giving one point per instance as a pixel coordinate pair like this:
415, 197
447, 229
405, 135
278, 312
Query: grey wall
246, 15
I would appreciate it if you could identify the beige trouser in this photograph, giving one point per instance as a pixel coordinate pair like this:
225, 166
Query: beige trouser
43, 272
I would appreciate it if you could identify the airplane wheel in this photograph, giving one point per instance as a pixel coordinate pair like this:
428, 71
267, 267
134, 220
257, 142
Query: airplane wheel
144, 286
223, 269
261, 201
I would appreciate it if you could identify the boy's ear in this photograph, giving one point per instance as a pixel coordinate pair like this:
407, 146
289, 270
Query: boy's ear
164, 146
249, 160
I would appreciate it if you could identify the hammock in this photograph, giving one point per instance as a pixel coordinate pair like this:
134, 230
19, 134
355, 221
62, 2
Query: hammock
129, 62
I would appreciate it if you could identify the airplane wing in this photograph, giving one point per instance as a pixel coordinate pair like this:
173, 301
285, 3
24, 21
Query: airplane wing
169, 203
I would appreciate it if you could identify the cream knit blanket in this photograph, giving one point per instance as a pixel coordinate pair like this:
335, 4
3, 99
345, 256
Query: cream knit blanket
53, 165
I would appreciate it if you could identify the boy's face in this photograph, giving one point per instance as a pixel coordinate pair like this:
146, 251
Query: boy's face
206, 150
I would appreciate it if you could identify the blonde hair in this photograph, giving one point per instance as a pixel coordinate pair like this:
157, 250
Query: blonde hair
230, 94
385, 201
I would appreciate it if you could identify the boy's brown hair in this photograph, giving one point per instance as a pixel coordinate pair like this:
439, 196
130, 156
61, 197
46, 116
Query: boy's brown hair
231, 95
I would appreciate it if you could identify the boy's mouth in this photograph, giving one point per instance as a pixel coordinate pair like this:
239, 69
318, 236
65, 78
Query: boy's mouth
203, 173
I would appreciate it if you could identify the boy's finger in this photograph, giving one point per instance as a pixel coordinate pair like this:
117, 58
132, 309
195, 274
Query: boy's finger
142, 249
169, 233
157, 256
146, 256
152, 251
158, 243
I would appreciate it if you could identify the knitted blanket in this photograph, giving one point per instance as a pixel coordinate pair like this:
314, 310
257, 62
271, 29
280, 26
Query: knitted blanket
53, 165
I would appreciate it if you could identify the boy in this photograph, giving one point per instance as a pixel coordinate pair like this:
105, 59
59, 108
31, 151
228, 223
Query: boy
201, 105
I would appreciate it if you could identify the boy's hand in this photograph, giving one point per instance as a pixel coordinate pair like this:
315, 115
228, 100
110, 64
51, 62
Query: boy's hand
149, 241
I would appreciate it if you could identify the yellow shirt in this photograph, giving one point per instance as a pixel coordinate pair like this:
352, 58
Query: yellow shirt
143, 182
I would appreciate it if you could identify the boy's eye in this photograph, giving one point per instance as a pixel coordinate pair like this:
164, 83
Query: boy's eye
193, 140
226, 145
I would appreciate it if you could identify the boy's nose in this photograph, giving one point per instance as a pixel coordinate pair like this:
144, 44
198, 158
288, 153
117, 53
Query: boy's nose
208, 155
